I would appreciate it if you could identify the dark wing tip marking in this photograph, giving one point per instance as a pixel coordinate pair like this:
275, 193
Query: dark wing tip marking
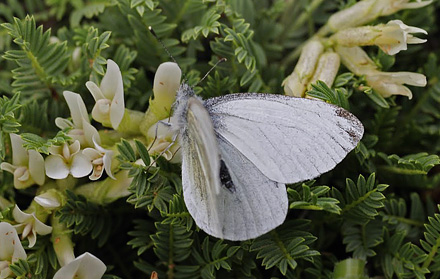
355, 134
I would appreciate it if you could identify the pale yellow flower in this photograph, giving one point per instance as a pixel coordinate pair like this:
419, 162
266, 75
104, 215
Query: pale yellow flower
29, 226
385, 83
366, 11
109, 96
27, 165
67, 159
11, 249
391, 37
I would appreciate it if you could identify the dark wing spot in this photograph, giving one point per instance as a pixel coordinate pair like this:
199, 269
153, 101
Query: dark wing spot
225, 177
343, 113
355, 136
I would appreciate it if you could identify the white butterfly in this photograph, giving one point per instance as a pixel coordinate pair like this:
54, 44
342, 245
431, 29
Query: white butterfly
240, 150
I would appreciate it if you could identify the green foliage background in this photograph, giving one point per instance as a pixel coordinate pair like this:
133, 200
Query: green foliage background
378, 205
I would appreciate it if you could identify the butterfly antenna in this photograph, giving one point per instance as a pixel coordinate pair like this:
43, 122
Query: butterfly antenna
210, 70
166, 49
163, 45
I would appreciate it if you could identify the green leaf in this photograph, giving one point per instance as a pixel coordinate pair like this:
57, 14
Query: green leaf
362, 199
431, 243
283, 247
376, 98
89, 10
172, 242
337, 97
177, 213
41, 64
8, 122
85, 217
143, 152
35, 142
361, 239
313, 198
413, 164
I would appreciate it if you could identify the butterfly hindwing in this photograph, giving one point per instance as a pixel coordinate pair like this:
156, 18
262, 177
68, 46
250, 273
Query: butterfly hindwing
251, 203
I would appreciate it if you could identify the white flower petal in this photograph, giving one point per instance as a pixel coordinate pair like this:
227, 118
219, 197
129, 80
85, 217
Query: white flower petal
94, 90
68, 271
63, 123
101, 111
415, 5
117, 109
112, 81
19, 153
81, 166
19, 215
91, 153
8, 167
74, 147
97, 145
41, 228
90, 133
22, 174
85, 266
5, 271
96, 173
167, 81
415, 40
406, 28
77, 108
32, 238
108, 163
36, 167
409, 78
22, 179
56, 167
10, 246
48, 200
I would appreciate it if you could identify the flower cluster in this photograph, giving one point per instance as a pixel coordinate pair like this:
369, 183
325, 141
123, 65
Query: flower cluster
321, 57
85, 152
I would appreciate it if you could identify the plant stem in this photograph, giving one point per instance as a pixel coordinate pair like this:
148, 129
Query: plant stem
170, 272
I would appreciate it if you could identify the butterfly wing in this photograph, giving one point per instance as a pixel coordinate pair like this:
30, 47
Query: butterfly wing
201, 168
251, 204
263, 142
288, 139
234, 205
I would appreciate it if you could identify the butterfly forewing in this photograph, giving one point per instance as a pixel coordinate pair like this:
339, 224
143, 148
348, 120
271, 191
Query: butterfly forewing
201, 167
288, 139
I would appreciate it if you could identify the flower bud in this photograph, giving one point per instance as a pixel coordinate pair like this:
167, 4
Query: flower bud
166, 85
327, 68
295, 84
